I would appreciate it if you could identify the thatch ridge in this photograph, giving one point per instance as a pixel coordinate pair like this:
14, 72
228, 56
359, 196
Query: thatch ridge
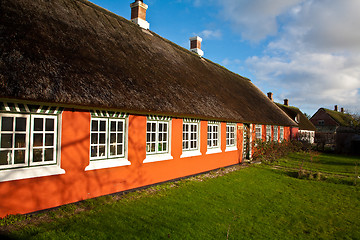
73, 52
303, 122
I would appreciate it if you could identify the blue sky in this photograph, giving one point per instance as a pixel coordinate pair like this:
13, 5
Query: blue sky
305, 50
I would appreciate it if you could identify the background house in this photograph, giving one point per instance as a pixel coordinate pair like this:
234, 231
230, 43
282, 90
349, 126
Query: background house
305, 130
334, 128
92, 104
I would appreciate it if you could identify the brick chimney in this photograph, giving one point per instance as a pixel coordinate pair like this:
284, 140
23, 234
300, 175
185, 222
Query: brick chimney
336, 108
286, 102
138, 14
342, 110
195, 45
270, 96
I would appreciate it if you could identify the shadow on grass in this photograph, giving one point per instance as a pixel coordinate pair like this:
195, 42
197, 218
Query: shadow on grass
317, 177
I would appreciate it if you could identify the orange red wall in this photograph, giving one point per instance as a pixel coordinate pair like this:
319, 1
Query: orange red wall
29, 195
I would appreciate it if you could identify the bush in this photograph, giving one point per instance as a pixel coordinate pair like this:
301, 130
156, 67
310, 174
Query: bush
269, 151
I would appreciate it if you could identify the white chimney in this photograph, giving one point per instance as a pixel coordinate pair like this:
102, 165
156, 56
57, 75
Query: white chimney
195, 45
138, 14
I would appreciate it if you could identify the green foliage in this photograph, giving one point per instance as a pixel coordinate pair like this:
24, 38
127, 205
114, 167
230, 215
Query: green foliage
270, 151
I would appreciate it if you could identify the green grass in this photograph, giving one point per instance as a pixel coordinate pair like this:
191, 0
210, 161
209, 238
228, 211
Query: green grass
258, 202
322, 162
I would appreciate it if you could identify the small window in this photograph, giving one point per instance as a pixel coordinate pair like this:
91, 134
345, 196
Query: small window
107, 138
27, 140
213, 140
276, 133
157, 137
268, 132
230, 135
321, 122
190, 136
258, 132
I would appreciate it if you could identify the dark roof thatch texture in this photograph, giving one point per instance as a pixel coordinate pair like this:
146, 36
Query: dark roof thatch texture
74, 52
343, 119
293, 112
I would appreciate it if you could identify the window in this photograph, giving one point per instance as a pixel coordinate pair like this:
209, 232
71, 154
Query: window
258, 132
27, 140
281, 134
321, 122
157, 137
190, 136
275, 133
268, 132
213, 135
107, 140
230, 135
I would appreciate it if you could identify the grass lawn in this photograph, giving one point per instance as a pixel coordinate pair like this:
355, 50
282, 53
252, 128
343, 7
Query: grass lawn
257, 202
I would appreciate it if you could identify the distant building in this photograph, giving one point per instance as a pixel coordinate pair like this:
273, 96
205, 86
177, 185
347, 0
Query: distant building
305, 130
334, 128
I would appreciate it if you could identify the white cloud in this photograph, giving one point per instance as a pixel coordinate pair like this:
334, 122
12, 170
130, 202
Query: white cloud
210, 34
255, 19
314, 55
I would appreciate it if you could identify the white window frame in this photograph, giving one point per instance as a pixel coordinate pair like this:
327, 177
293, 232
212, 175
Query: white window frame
257, 133
158, 155
187, 139
276, 133
231, 137
281, 133
108, 160
31, 169
213, 136
268, 133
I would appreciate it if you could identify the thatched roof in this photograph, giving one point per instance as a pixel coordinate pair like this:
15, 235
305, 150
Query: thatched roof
343, 119
74, 52
295, 113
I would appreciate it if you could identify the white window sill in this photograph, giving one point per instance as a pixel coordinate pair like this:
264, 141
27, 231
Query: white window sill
213, 150
157, 157
107, 163
190, 153
229, 149
30, 172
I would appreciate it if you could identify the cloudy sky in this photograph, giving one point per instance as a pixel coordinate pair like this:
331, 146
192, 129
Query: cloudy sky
305, 50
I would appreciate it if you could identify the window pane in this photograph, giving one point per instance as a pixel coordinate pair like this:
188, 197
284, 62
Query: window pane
19, 157
113, 138
94, 151
38, 140
49, 154
7, 123
152, 147
119, 137
38, 124
5, 157
20, 140
6, 140
148, 137
37, 155
113, 150
120, 126
50, 123
119, 150
113, 126
94, 125
102, 138
103, 126
49, 139
153, 137
165, 147
94, 138
101, 151
20, 124
160, 127
148, 127
160, 137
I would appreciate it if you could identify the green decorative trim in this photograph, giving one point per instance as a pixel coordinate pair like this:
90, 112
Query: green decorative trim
189, 120
158, 118
213, 122
100, 113
29, 108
